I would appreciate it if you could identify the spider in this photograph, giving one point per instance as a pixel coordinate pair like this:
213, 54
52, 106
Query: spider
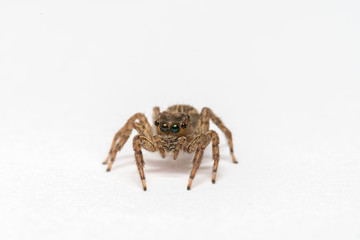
180, 127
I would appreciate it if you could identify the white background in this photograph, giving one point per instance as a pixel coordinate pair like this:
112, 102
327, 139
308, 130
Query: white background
283, 76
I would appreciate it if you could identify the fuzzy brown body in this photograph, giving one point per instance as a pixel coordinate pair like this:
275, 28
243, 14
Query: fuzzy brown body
178, 128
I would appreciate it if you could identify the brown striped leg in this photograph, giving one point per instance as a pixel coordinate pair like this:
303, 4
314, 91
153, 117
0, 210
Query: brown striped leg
140, 141
215, 151
117, 136
206, 115
115, 151
143, 127
200, 142
192, 146
197, 160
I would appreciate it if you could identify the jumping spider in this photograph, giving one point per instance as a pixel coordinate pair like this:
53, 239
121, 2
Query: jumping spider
180, 127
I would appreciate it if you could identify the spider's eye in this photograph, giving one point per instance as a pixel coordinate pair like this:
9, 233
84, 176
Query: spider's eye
175, 128
157, 123
164, 127
183, 125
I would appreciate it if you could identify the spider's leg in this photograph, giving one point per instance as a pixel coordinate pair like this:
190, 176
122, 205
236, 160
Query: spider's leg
196, 163
140, 141
143, 127
215, 151
199, 143
119, 140
206, 115
113, 152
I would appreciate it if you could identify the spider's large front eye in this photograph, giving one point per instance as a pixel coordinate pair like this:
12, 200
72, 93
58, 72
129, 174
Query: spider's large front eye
175, 128
164, 127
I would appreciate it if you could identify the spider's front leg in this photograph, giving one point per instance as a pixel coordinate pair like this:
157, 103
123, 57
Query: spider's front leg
200, 143
141, 141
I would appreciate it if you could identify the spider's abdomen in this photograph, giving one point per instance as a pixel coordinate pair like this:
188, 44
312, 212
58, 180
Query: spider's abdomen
183, 109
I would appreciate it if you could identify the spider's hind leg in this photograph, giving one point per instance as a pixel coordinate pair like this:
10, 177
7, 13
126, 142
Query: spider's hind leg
206, 115
143, 127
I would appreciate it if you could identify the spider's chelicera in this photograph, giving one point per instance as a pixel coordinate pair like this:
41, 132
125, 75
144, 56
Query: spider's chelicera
179, 128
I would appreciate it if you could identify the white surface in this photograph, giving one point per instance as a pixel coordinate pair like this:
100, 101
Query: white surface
283, 76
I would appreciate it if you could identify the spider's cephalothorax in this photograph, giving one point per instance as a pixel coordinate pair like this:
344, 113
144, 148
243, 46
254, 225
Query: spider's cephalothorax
171, 127
179, 128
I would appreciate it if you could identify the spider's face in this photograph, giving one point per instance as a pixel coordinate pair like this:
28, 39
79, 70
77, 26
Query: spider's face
170, 123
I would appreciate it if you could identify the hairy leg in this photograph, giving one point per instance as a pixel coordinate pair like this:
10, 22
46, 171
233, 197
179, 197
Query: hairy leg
215, 151
200, 143
206, 115
196, 163
143, 127
141, 141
